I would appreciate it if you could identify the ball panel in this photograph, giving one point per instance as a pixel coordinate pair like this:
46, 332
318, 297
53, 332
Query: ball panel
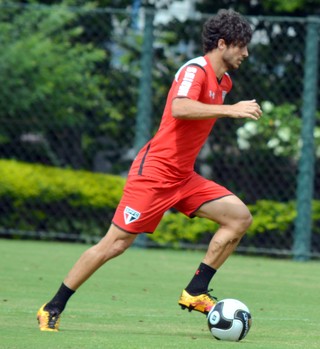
245, 317
231, 334
231, 305
216, 317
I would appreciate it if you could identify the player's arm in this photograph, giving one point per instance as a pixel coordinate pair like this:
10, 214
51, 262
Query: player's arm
186, 108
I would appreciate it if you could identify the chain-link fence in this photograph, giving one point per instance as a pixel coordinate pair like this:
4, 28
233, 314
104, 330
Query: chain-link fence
84, 88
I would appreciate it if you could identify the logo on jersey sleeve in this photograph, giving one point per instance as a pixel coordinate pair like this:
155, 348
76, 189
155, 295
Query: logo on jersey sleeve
130, 215
187, 81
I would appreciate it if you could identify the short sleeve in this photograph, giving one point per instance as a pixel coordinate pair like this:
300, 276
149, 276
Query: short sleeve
189, 82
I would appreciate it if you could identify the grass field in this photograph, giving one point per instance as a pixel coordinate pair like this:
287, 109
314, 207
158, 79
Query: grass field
131, 302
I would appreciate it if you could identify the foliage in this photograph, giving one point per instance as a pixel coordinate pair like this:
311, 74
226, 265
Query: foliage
75, 76
297, 7
278, 130
22, 181
56, 81
100, 3
40, 62
270, 218
263, 7
32, 196
176, 228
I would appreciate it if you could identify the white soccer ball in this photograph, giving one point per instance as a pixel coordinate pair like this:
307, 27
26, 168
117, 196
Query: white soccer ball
229, 320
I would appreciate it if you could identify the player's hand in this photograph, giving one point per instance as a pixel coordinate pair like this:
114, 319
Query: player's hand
246, 109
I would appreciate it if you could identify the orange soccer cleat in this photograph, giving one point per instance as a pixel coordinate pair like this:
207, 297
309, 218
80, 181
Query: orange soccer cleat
202, 302
48, 320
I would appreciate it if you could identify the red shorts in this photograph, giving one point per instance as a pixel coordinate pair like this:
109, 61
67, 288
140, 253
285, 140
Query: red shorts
145, 200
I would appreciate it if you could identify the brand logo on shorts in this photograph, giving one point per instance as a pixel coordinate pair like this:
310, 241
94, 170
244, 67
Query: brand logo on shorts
130, 215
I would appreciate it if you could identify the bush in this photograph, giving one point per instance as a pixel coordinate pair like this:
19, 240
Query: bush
272, 221
44, 199
40, 198
278, 131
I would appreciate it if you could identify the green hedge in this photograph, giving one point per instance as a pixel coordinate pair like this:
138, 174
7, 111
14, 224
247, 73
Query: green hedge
270, 218
273, 223
36, 197
47, 199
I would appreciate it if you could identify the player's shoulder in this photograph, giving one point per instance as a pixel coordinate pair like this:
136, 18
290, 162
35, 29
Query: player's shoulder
197, 63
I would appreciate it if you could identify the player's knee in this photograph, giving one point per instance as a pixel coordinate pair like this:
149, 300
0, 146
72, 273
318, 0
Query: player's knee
240, 222
110, 249
243, 221
119, 247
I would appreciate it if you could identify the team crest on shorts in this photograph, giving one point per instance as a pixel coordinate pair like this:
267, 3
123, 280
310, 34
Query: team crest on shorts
130, 215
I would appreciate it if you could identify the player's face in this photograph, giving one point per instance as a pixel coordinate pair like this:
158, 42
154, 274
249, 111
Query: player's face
234, 55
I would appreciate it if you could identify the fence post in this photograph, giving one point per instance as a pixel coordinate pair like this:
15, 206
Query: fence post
144, 118
305, 180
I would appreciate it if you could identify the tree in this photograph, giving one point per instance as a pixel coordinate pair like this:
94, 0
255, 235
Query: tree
53, 87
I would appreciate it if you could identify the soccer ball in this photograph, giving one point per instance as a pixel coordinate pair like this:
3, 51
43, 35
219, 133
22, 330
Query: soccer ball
229, 320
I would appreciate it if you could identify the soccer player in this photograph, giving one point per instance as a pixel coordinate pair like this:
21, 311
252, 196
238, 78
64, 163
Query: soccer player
162, 176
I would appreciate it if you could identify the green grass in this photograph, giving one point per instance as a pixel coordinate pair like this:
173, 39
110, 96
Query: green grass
131, 302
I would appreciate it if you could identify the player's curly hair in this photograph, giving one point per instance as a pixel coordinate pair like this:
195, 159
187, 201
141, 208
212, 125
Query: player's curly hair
227, 25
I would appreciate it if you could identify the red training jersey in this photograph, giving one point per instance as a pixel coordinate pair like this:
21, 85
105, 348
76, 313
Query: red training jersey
173, 150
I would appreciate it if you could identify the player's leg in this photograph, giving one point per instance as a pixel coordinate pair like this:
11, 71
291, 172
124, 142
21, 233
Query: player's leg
207, 199
234, 219
115, 242
144, 201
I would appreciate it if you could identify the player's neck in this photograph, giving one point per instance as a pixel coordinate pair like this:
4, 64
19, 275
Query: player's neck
217, 63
